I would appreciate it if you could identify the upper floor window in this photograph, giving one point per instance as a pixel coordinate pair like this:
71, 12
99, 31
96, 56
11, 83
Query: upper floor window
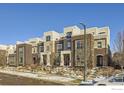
79, 44
68, 44
34, 49
21, 50
41, 48
68, 34
59, 47
48, 38
99, 44
21, 55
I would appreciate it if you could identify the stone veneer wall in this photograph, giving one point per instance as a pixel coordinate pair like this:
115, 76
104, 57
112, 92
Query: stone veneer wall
90, 50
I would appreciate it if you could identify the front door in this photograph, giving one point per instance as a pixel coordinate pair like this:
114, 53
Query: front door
99, 60
34, 60
66, 59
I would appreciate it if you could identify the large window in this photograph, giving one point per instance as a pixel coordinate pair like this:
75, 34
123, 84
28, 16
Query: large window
99, 44
68, 44
68, 34
34, 49
79, 44
48, 38
21, 55
41, 48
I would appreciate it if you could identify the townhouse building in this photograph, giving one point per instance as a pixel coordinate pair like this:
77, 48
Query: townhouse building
47, 48
35, 55
70, 47
64, 49
63, 46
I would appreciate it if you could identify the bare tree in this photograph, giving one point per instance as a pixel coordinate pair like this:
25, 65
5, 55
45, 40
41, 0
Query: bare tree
118, 45
118, 42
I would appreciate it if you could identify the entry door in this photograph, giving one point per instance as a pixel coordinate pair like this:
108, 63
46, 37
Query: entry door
66, 59
99, 60
45, 60
34, 60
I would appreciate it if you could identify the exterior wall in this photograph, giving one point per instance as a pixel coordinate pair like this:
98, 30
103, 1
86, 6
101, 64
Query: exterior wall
47, 58
50, 52
74, 29
106, 31
27, 54
49, 48
40, 47
101, 51
58, 51
3, 57
93, 31
35, 59
11, 49
79, 52
34, 42
94, 35
54, 35
12, 60
63, 51
34, 49
55, 56
62, 57
73, 52
103, 41
101, 35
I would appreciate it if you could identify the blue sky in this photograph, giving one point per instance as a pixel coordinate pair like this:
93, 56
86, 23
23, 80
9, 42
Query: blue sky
24, 21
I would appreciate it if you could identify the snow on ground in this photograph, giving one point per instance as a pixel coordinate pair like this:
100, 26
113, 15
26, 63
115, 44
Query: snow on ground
53, 78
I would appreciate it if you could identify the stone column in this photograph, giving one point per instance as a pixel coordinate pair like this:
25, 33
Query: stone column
41, 59
70, 61
48, 59
62, 60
